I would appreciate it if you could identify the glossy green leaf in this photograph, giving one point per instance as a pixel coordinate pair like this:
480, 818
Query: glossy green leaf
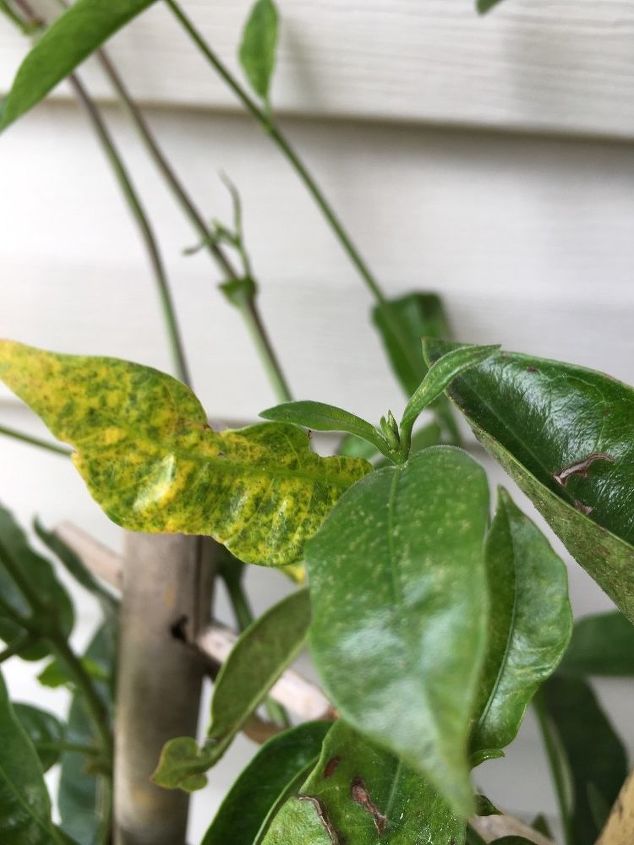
64, 45
256, 661
154, 465
22, 568
321, 417
566, 436
530, 623
360, 794
44, 730
25, 806
259, 45
398, 590
601, 645
441, 374
83, 792
592, 751
77, 568
265, 784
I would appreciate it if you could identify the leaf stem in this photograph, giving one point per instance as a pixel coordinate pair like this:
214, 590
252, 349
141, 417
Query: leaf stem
556, 765
265, 119
250, 312
140, 215
60, 647
244, 617
35, 441
84, 684
21, 642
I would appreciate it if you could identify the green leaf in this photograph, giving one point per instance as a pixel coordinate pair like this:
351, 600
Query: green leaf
83, 792
265, 784
24, 574
530, 623
566, 436
44, 730
77, 568
417, 315
256, 661
398, 590
441, 374
25, 807
152, 462
540, 824
239, 292
512, 840
485, 5
64, 45
360, 794
592, 751
259, 45
321, 417
601, 645
55, 674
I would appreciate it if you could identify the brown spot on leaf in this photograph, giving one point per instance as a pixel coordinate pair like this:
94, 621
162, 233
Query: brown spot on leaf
580, 468
324, 818
532, 370
331, 766
580, 506
361, 796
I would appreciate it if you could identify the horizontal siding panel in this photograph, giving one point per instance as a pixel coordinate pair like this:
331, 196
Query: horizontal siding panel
530, 241
541, 65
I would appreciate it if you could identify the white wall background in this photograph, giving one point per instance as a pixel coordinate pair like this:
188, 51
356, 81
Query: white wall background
488, 159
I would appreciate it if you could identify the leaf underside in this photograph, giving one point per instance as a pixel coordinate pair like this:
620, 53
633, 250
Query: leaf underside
529, 623
256, 661
152, 462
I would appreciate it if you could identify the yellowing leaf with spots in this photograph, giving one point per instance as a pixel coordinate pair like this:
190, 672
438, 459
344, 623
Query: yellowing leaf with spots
152, 462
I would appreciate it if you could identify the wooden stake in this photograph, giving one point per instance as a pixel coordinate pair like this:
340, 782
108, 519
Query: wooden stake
167, 582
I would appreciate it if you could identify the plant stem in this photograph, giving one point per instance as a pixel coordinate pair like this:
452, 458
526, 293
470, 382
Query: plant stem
147, 234
557, 766
260, 338
244, 618
264, 118
35, 441
250, 312
59, 646
19, 644
84, 684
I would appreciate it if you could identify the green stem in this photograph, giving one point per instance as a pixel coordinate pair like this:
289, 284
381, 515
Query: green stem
21, 642
70, 748
35, 441
59, 646
84, 684
557, 766
140, 215
262, 343
263, 117
16, 20
244, 617
250, 311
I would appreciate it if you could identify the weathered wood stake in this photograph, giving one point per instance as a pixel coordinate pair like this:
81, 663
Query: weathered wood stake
167, 584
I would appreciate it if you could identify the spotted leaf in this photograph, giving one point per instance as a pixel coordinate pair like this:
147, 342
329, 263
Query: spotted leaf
152, 462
